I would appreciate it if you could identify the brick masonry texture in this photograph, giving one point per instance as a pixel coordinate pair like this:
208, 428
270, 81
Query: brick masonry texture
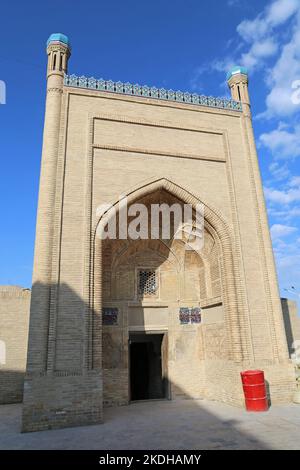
291, 320
97, 146
14, 319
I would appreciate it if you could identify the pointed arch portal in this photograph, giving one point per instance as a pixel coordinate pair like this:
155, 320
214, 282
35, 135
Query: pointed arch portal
221, 233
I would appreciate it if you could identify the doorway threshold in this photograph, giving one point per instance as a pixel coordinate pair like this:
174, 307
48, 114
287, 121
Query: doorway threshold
149, 400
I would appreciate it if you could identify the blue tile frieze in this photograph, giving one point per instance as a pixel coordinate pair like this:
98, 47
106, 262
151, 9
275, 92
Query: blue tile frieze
110, 316
184, 315
150, 92
189, 315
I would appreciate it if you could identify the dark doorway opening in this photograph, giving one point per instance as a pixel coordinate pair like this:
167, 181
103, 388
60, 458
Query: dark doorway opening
148, 366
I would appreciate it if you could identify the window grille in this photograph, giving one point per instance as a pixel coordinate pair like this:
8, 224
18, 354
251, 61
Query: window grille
147, 282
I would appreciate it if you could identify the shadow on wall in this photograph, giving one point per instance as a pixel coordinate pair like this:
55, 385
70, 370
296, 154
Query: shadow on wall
80, 399
11, 386
267, 385
14, 318
133, 266
291, 322
145, 284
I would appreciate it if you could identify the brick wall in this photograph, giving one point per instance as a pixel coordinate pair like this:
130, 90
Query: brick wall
291, 320
14, 318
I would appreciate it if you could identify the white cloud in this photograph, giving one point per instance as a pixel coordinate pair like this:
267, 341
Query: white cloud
295, 181
233, 3
281, 231
222, 65
285, 215
279, 172
276, 14
283, 204
279, 101
282, 197
251, 30
259, 51
282, 142
196, 83
287, 254
262, 37
293, 212
271, 42
289, 261
282, 10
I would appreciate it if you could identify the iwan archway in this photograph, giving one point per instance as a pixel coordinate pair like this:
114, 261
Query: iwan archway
146, 286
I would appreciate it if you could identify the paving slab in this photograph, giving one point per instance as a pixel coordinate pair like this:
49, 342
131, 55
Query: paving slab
186, 424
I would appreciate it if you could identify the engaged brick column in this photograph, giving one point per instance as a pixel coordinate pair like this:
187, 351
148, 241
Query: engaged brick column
58, 54
65, 395
273, 345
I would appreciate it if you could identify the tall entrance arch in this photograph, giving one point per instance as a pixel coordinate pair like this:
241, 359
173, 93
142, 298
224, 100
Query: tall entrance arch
185, 280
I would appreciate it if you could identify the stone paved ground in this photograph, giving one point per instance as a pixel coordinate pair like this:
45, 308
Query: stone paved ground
165, 425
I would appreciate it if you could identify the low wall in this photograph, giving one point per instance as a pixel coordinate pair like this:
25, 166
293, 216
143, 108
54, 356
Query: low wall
291, 320
14, 320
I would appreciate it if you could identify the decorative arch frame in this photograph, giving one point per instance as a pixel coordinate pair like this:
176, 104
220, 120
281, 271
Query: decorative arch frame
127, 247
230, 278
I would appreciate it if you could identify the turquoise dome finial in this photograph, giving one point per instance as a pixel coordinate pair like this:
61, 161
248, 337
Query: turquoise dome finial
235, 70
59, 37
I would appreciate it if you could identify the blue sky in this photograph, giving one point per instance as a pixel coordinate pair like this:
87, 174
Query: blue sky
187, 45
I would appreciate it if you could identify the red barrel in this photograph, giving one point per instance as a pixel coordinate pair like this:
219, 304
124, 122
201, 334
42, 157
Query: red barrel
254, 390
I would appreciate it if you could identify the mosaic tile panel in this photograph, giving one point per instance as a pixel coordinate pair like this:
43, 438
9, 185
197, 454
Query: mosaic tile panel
110, 316
190, 315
